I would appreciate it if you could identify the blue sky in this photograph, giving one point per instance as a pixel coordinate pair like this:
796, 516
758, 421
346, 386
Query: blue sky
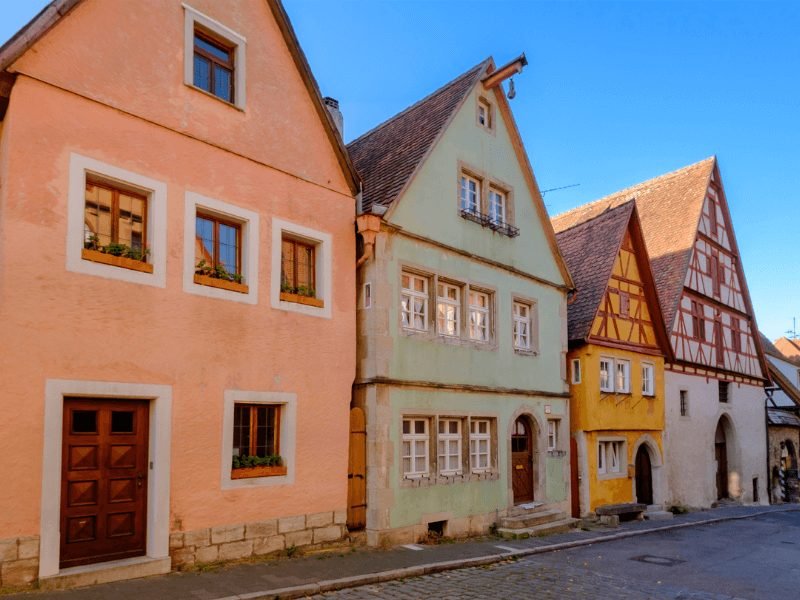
614, 93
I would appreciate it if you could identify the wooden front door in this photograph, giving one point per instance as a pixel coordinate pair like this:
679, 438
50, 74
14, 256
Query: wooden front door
522, 461
103, 480
357, 472
721, 456
644, 476
574, 481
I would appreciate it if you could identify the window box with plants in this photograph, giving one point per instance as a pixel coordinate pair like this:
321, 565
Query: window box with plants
217, 276
301, 294
244, 467
117, 255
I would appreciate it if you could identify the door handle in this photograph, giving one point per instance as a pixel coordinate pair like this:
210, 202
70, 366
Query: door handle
139, 480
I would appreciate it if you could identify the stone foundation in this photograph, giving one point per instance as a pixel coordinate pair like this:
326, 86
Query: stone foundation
233, 542
455, 528
19, 561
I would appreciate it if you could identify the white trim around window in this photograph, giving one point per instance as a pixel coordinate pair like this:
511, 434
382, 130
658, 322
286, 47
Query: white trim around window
648, 379
414, 302
612, 458
622, 376
480, 310
323, 255
480, 442
606, 374
575, 371
156, 192
552, 434
248, 221
448, 309
522, 314
288, 418
194, 18
448, 439
415, 447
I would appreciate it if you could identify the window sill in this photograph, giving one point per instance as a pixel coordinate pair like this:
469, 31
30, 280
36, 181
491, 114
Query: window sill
222, 284
116, 261
215, 97
299, 299
250, 472
613, 475
523, 352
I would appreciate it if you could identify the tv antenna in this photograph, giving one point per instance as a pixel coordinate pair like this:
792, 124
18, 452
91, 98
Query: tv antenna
563, 187
792, 333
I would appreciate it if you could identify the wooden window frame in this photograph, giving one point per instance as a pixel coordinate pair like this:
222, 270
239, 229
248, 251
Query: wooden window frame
698, 321
253, 408
712, 217
475, 437
411, 438
294, 280
411, 293
485, 311
518, 320
736, 335
446, 437
217, 221
115, 211
229, 65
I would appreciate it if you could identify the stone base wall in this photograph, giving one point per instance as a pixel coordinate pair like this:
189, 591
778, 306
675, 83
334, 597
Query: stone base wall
455, 528
19, 561
233, 542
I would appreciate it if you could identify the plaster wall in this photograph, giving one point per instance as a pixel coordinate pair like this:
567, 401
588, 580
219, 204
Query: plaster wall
689, 440
66, 325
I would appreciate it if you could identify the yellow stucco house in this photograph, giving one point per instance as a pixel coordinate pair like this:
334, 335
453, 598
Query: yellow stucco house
617, 347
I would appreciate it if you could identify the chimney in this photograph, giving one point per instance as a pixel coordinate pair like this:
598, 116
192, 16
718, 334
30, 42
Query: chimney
333, 107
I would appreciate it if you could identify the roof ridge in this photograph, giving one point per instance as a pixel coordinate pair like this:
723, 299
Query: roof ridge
631, 188
439, 90
591, 218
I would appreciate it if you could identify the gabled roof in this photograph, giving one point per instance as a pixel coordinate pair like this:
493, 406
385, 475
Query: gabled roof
51, 14
669, 208
779, 379
387, 156
789, 348
771, 349
590, 248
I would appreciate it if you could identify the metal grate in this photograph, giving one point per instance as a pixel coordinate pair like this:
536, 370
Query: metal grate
664, 561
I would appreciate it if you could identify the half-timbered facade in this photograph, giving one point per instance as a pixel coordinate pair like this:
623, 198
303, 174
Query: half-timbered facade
715, 427
460, 391
617, 346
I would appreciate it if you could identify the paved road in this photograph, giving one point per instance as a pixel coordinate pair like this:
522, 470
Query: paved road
752, 558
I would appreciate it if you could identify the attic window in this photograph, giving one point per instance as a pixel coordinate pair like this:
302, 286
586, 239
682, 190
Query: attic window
213, 66
485, 116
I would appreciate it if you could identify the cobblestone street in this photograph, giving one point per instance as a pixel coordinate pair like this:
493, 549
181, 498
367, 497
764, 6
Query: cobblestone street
703, 563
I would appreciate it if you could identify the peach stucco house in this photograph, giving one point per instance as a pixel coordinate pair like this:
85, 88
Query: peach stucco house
176, 291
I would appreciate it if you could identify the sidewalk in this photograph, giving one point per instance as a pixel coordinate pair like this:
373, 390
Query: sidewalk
312, 574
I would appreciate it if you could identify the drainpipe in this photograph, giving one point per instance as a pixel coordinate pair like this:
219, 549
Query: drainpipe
368, 225
768, 390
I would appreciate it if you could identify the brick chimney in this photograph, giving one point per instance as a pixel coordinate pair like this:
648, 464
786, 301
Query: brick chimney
333, 107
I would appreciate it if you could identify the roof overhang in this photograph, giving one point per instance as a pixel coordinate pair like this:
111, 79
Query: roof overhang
500, 74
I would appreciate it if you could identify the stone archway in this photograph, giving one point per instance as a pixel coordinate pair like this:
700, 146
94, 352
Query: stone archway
524, 423
647, 451
726, 472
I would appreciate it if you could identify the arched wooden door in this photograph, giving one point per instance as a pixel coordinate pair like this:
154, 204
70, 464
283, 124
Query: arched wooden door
522, 461
721, 456
644, 476
357, 471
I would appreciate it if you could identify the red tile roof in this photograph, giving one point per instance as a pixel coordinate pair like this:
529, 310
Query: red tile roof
387, 156
669, 208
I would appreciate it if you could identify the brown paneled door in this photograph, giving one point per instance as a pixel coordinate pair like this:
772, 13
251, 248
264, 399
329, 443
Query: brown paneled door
522, 461
103, 480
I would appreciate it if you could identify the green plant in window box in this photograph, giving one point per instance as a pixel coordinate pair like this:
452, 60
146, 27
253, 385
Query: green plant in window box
216, 272
92, 243
245, 461
306, 291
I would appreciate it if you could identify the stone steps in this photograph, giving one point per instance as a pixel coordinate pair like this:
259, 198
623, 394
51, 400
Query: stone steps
656, 512
558, 526
531, 519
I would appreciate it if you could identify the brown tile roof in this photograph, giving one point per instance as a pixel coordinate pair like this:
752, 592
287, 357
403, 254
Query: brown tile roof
669, 208
770, 348
589, 248
789, 348
387, 156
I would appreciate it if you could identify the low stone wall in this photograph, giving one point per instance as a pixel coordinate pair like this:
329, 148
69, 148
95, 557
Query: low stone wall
19, 561
233, 542
458, 527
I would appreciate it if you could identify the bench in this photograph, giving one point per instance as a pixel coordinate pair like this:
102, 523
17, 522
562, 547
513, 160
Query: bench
612, 514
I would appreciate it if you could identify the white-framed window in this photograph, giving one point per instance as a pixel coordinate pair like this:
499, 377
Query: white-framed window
415, 447
552, 434
610, 456
522, 325
283, 407
480, 439
214, 58
479, 306
575, 371
622, 382
449, 446
448, 309
484, 113
497, 205
606, 374
295, 246
648, 379
108, 237
220, 249
414, 302
367, 299
470, 194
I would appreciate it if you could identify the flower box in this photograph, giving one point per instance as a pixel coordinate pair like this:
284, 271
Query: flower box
248, 472
116, 261
299, 299
223, 284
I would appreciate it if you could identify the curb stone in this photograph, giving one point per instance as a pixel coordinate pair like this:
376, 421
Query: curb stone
331, 585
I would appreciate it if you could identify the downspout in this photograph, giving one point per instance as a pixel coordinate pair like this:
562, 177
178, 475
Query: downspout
368, 226
768, 390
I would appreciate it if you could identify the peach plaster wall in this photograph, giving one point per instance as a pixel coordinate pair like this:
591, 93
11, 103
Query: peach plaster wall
64, 325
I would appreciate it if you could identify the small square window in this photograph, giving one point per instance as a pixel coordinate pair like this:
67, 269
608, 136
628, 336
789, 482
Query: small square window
479, 307
414, 302
256, 441
213, 66
648, 383
485, 114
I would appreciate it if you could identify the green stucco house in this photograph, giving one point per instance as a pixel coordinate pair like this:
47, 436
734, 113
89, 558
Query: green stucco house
462, 321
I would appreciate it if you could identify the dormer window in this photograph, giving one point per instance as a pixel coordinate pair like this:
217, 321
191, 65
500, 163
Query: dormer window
485, 114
